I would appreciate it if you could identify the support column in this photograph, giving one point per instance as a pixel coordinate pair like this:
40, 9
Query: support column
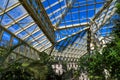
11, 41
1, 33
88, 40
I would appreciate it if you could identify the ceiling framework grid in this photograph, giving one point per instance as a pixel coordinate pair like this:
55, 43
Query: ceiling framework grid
21, 42
10, 8
5, 12
38, 18
16, 21
107, 4
22, 28
75, 17
102, 17
68, 7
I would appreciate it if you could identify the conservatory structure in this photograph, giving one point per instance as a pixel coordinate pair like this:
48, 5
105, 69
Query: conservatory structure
64, 29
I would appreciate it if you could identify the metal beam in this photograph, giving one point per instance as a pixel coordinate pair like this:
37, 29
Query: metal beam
11, 41
44, 45
56, 10
73, 34
40, 42
22, 29
72, 26
17, 20
36, 30
1, 34
57, 2
55, 53
37, 37
10, 8
103, 16
26, 31
108, 2
78, 7
88, 40
105, 19
18, 38
87, 4
38, 20
44, 13
69, 6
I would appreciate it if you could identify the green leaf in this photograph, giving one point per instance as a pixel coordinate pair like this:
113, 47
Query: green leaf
25, 64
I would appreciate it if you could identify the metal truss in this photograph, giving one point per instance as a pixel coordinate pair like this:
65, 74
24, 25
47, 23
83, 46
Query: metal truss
72, 26
53, 4
57, 10
68, 7
44, 13
73, 34
20, 41
20, 30
44, 24
99, 20
10, 8
16, 21
98, 25
38, 20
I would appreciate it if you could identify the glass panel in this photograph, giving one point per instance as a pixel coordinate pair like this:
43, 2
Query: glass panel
6, 36
3, 3
37, 33
29, 39
11, 2
41, 38
91, 13
14, 28
100, 0
22, 34
68, 17
38, 46
5, 39
5, 20
31, 29
24, 22
33, 43
17, 12
15, 41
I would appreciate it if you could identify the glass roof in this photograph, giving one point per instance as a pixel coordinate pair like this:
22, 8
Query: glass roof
71, 12
16, 19
64, 21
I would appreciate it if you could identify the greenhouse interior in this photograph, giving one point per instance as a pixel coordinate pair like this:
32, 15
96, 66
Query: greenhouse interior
59, 39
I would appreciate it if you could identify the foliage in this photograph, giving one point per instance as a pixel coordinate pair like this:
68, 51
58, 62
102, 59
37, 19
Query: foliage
118, 8
27, 69
4, 53
15, 71
95, 64
22, 69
